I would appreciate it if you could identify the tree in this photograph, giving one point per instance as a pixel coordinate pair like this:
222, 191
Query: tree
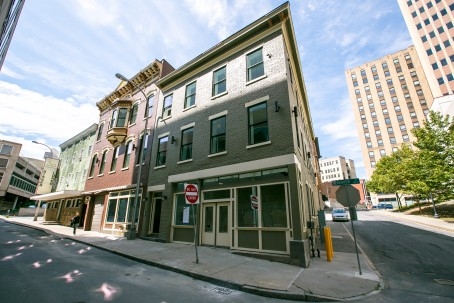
391, 175
435, 142
426, 170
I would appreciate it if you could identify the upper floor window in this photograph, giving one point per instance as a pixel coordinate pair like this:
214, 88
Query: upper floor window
119, 117
162, 151
167, 109
3, 162
113, 165
254, 65
190, 95
6, 149
94, 161
100, 127
142, 149
217, 137
150, 103
133, 115
127, 156
186, 144
103, 162
258, 123
219, 81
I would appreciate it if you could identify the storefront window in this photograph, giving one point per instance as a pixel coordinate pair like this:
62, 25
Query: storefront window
247, 217
274, 213
183, 212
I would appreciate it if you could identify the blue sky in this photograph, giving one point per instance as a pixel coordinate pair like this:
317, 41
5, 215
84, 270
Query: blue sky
64, 55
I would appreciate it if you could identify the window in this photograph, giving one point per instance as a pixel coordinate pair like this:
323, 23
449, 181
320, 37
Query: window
363, 72
380, 142
371, 154
366, 135
382, 152
372, 164
429, 4
373, 69
273, 205
394, 99
392, 140
103, 162
365, 126
182, 214
443, 12
150, 103
427, 21
406, 138
3, 162
414, 14
133, 115
449, 77
446, 43
375, 122
432, 34
403, 127
400, 118
443, 62
367, 88
365, 80
359, 100
127, 156
440, 30
167, 110
424, 39
363, 117
94, 160
119, 117
113, 165
190, 95
434, 17
418, 26
416, 124
258, 123
385, 111
217, 137
438, 47
143, 149
392, 90
219, 81
434, 66
373, 114
421, 9
355, 83
449, 25
120, 207
254, 65
390, 130
100, 127
353, 76
357, 92
378, 132
162, 151
416, 83
186, 144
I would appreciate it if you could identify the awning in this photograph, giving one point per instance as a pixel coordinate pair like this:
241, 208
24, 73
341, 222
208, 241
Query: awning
57, 195
108, 189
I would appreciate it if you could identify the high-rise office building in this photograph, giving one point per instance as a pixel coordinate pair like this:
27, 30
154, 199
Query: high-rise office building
431, 28
9, 15
390, 96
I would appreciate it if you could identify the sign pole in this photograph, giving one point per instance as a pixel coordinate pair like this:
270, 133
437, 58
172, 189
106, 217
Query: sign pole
195, 235
191, 194
354, 236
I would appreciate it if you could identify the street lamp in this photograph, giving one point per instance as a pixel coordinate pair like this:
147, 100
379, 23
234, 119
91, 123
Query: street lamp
35, 217
51, 152
131, 235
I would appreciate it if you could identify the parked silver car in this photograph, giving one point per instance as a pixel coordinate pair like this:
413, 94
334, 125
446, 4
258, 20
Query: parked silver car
340, 214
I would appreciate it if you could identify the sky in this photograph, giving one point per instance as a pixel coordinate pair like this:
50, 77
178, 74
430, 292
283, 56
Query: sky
64, 55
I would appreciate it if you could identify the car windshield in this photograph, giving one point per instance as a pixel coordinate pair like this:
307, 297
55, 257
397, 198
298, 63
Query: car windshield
339, 211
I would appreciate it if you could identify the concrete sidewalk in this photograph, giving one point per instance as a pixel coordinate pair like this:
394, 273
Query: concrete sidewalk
323, 281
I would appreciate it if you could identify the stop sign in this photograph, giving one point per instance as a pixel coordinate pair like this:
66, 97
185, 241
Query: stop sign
347, 195
191, 194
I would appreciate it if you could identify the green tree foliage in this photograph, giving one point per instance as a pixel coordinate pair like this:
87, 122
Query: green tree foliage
435, 142
422, 171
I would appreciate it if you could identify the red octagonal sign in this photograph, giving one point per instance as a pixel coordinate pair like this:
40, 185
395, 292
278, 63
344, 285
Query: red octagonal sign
191, 194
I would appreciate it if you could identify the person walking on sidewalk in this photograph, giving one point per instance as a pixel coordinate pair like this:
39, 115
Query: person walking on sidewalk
75, 222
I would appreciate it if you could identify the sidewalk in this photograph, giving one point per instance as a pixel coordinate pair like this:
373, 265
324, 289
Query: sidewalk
322, 281
423, 222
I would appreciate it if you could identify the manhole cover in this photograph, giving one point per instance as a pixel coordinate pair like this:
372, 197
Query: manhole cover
221, 290
444, 282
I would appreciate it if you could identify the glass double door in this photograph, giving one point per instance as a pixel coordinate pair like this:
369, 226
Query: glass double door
216, 224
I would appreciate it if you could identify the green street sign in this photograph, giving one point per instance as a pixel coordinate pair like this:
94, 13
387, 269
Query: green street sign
345, 182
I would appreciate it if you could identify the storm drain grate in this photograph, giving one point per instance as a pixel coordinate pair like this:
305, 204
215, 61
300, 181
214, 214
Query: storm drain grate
444, 282
221, 290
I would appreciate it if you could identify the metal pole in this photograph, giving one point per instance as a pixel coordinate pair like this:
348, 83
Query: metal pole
435, 209
35, 217
354, 236
132, 230
51, 151
195, 234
